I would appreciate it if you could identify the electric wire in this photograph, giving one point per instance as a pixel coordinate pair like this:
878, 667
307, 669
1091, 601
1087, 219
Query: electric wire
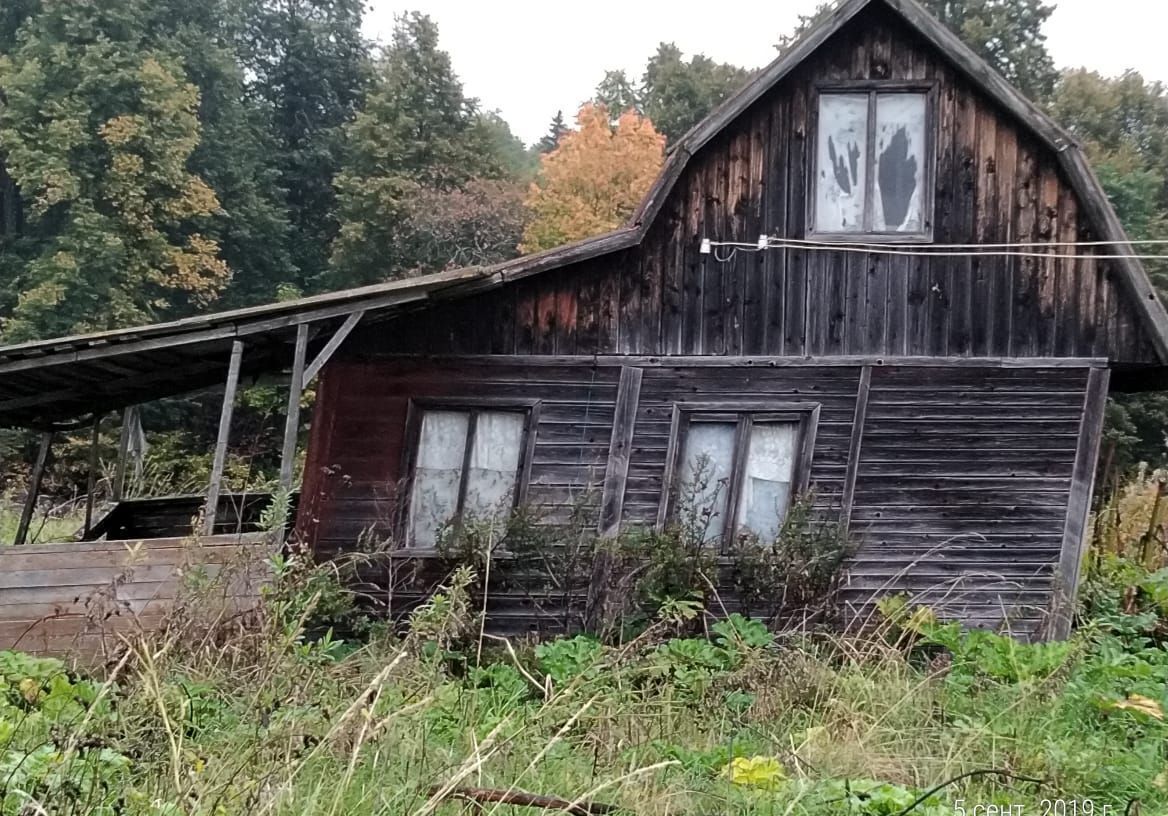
1015, 250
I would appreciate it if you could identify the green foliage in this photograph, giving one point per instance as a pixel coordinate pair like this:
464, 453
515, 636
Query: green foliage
113, 220
309, 70
418, 134
795, 572
979, 652
551, 140
566, 659
678, 94
673, 93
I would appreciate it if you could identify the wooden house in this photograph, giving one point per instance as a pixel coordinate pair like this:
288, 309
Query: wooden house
877, 273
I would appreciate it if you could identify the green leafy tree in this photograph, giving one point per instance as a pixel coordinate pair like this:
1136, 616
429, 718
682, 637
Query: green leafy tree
1008, 34
236, 154
308, 68
677, 94
1123, 123
418, 132
97, 130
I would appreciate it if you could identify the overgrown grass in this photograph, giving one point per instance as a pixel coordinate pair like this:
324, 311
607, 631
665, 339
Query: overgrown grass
229, 714
52, 522
259, 720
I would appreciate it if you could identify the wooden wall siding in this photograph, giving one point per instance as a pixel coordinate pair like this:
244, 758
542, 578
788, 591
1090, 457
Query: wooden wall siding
834, 388
354, 467
76, 598
963, 487
994, 184
962, 474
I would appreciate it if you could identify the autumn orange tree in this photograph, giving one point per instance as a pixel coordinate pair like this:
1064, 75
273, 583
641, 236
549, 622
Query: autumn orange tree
594, 179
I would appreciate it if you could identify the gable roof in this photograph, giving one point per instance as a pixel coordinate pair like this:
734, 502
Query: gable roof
64, 377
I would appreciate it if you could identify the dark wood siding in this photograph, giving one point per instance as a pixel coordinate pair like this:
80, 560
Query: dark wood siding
995, 183
962, 473
353, 479
962, 490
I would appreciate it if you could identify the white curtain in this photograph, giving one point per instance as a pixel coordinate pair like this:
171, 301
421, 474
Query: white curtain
766, 486
841, 162
706, 469
494, 463
437, 475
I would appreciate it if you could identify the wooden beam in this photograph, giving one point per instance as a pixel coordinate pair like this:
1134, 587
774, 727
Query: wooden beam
331, 346
220, 458
861, 416
620, 448
34, 487
1075, 540
733, 361
119, 485
292, 420
91, 475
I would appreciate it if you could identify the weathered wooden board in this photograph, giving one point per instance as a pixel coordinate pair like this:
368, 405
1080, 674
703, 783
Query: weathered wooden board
78, 597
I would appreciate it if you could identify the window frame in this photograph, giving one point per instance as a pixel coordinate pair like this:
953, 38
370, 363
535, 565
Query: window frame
474, 406
873, 89
804, 414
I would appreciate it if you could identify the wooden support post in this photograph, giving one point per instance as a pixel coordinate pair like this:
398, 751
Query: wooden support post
292, 422
91, 476
220, 458
853, 468
119, 484
34, 487
1075, 539
612, 497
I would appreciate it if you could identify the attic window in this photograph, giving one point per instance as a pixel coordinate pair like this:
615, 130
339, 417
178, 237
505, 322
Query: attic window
873, 164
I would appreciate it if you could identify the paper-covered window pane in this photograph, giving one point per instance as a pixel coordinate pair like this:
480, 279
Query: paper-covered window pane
900, 162
438, 474
766, 486
842, 153
707, 464
494, 463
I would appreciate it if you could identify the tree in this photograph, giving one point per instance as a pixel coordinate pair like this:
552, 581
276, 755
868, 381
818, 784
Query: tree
1008, 34
478, 224
308, 69
418, 132
97, 131
677, 94
594, 180
617, 94
551, 139
1123, 123
237, 153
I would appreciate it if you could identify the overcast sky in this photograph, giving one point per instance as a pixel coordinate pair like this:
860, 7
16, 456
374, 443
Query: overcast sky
529, 58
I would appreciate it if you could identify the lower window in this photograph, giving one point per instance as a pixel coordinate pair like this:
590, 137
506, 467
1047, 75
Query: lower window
735, 472
469, 463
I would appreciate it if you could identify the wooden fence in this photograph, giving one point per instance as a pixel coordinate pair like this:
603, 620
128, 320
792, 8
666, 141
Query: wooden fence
81, 598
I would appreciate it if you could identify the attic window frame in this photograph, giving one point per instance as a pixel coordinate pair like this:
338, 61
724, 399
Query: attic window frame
874, 89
